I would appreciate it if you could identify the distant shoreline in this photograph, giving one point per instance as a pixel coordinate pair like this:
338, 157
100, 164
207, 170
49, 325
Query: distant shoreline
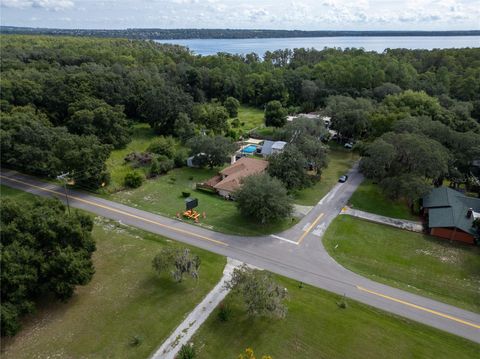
193, 34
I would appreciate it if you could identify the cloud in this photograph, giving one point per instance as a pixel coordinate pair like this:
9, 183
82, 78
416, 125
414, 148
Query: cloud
55, 5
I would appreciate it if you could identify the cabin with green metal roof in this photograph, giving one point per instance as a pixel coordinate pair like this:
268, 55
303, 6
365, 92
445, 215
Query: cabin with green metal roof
451, 214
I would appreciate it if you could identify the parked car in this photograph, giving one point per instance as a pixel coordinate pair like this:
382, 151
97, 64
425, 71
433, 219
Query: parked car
348, 145
343, 179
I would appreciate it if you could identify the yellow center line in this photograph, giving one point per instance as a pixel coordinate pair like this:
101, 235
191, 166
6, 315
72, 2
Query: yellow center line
420, 308
119, 211
310, 228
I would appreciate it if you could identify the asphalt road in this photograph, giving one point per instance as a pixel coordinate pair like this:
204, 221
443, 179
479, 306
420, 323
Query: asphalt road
297, 253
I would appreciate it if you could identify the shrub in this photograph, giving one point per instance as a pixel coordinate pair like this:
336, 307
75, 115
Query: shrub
236, 123
133, 179
342, 303
161, 165
187, 351
135, 341
224, 312
163, 146
180, 158
185, 194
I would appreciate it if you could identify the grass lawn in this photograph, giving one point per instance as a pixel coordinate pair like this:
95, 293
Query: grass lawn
163, 196
142, 136
315, 327
369, 197
251, 117
341, 160
125, 298
425, 265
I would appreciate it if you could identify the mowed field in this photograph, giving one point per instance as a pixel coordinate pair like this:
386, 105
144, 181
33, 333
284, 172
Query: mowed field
125, 298
369, 197
422, 264
315, 327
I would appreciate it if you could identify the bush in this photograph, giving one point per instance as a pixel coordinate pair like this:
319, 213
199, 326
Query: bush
161, 165
133, 179
135, 341
180, 158
236, 123
164, 146
187, 351
342, 303
224, 312
186, 194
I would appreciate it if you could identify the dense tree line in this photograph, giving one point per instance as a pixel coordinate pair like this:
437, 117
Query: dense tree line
221, 33
89, 91
43, 251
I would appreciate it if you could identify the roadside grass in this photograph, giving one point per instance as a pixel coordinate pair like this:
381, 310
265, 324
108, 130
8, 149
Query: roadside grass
124, 299
340, 162
315, 327
251, 117
422, 264
163, 195
369, 197
142, 136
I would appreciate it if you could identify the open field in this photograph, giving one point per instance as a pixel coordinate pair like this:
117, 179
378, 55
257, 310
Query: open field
251, 117
125, 298
340, 161
163, 195
315, 327
422, 264
142, 136
369, 197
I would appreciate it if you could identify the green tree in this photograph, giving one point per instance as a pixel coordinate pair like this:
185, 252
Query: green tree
44, 251
289, 167
275, 114
210, 151
163, 145
232, 105
263, 198
261, 294
211, 115
177, 261
184, 129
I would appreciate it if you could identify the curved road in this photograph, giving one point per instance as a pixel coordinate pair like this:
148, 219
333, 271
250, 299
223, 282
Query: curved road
297, 253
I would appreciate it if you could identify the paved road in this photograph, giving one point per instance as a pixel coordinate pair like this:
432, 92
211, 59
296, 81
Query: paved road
297, 253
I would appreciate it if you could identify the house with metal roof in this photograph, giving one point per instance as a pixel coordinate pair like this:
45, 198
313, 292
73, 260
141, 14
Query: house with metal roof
450, 214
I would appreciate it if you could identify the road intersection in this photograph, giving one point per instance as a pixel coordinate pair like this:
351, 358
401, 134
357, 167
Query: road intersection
297, 253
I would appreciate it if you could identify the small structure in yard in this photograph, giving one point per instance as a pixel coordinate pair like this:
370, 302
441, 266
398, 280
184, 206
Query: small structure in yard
272, 147
451, 215
190, 204
229, 179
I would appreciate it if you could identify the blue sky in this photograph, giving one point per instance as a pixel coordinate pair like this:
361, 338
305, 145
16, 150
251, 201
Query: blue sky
267, 14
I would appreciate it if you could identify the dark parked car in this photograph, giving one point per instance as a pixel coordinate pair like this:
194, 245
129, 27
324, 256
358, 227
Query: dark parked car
343, 178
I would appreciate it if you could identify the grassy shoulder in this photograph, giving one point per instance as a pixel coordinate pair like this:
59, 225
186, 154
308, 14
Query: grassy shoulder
315, 327
422, 264
163, 195
340, 162
369, 197
125, 298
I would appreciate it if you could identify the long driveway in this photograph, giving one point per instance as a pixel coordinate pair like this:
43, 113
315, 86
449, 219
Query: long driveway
297, 253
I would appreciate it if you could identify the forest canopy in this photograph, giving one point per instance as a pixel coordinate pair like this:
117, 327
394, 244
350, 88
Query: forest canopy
66, 102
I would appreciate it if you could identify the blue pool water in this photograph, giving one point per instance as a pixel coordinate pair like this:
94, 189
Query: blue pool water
249, 149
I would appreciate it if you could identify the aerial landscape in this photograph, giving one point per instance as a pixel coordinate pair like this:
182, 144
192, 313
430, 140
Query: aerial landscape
260, 179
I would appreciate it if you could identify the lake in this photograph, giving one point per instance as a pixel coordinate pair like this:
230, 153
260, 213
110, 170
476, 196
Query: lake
369, 43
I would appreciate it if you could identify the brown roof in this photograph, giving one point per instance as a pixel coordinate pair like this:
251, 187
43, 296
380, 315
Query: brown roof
244, 167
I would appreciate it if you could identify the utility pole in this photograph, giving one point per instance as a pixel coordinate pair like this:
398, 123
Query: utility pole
63, 178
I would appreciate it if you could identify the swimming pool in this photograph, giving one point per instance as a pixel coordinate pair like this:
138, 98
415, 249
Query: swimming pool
249, 149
